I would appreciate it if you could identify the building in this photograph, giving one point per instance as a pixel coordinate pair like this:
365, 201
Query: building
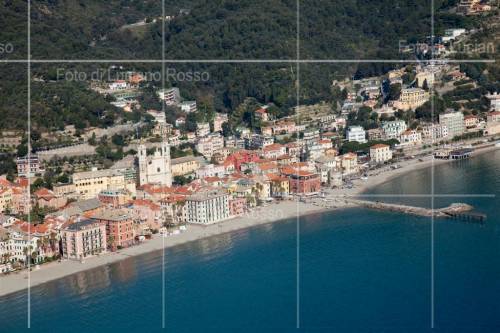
434, 132
262, 114
29, 167
493, 123
119, 227
114, 198
454, 121
410, 138
380, 153
118, 85
471, 121
356, 133
209, 206
393, 129
186, 165
452, 34
89, 184
15, 245
274, 151
349, 163
237, 206
207, 146
64, 189
375, 134
189, 106
83, 239
257, 141
155, 168
411, 98
494, 101
302, 181
45, 198
202, 129
170, 96
5, 199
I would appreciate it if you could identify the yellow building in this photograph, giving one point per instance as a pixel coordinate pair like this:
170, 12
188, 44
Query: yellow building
411, 98
184, 165
349, 163
88, 184
5, 198
380, 153
280, 186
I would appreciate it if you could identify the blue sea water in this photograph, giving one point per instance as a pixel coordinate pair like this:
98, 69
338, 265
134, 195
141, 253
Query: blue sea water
360, 271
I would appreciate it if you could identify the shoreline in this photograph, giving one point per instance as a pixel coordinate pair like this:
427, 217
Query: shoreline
275, 212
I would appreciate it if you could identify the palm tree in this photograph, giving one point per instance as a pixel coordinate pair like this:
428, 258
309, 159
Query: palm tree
27, 254
111, 241
6, 257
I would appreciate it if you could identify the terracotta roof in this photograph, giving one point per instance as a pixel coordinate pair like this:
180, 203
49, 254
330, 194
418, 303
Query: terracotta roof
379, 145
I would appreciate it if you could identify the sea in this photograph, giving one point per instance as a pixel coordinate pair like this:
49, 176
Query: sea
352, 270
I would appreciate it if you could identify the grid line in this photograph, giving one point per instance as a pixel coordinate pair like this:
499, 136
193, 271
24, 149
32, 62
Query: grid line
297, 250
164, 303
29, 158
246, 61
432, 309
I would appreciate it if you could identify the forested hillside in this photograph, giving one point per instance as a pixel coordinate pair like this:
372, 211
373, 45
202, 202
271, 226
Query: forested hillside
203, 29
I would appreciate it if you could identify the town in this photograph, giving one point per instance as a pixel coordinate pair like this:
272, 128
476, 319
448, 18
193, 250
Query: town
162, 175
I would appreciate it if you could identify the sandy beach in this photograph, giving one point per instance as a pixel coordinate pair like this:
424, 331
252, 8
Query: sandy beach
274, 212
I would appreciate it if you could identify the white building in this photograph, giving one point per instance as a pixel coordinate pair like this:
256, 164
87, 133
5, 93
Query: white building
356, 133
434, 132
208, 145
494, 101
29, 167
202, 129
118, 84
451, 34
156, 168
257, 141
410, 137
188, 106
211, 170
393, 129
454, 121
380, 153
208, 207
15, 245
170, 96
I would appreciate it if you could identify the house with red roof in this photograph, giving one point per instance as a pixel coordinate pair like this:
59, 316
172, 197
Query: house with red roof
45, 198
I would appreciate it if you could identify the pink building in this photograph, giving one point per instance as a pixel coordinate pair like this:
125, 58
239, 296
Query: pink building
237, 206
84, 239
147, 213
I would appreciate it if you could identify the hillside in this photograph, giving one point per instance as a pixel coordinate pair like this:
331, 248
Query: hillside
206, 29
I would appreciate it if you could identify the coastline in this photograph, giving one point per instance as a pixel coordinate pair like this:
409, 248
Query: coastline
272, 213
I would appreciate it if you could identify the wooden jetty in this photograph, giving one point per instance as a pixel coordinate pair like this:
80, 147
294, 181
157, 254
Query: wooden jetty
459, 211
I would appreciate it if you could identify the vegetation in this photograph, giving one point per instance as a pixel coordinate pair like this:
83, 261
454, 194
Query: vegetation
220, 29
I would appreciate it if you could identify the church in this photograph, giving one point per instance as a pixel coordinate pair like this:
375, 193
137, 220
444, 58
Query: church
155, 168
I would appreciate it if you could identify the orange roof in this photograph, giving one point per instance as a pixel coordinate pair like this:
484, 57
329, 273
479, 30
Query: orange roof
148, 203
379, 145
5, 182
274, 146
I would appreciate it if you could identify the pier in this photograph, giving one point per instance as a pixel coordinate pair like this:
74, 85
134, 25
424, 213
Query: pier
458, 211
